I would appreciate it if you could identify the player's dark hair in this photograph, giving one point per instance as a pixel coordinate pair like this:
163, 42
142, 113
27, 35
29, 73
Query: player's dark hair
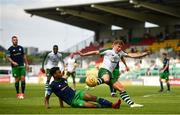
164, 53
14, 37
55, 46
53, 70
120, 42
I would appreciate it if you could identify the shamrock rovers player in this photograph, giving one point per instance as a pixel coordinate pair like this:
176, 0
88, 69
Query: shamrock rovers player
78, 98
17, 58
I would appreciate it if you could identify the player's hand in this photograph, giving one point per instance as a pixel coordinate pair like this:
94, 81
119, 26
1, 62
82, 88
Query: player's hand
14, 63
42, 70
28, 68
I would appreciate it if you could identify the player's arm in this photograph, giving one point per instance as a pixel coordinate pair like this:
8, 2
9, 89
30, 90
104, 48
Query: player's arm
26, 62
124, 62
61, 103
137, 55
89, 53
165, 67
10, 60
46, 101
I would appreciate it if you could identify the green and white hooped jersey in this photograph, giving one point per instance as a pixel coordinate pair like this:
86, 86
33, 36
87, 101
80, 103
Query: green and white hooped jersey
111, 59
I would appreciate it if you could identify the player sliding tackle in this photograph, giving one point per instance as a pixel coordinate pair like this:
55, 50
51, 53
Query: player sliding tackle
110, 61
74, 98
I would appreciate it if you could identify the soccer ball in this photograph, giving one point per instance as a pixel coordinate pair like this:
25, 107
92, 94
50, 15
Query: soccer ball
91, 79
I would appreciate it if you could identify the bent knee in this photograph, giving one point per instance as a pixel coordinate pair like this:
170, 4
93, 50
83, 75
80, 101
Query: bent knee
106, 78
118, 86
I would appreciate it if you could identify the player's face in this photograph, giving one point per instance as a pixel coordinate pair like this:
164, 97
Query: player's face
117, 47
163, 55
55, 50
58, 74
15, 41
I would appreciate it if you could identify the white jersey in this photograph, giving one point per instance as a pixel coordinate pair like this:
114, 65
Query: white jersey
54, 60
111, 59
71, 64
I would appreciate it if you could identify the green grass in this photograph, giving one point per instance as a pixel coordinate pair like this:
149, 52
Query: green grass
154, 102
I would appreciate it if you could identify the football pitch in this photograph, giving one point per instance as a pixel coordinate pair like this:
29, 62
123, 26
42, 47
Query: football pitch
153, 101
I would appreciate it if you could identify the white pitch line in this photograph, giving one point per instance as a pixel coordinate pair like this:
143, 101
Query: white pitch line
150, 95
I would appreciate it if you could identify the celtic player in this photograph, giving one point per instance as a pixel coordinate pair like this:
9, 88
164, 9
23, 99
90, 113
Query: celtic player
116, 72
52, 59
111, 59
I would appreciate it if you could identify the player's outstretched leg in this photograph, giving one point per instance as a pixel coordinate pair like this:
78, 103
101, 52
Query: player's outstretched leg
104, 79
123, 94
102, 103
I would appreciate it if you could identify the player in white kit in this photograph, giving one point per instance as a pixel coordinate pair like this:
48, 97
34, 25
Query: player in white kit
110, 61
52, 59
70, 67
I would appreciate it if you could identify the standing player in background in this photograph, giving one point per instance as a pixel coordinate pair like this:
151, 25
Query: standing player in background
17, 58
111, 59
52, 59
164, 73
70, 67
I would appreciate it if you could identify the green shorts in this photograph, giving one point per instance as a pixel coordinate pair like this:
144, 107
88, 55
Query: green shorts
19, 71
116, 73
72, 74
78, 100
103, 71
164, 75
48, 73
